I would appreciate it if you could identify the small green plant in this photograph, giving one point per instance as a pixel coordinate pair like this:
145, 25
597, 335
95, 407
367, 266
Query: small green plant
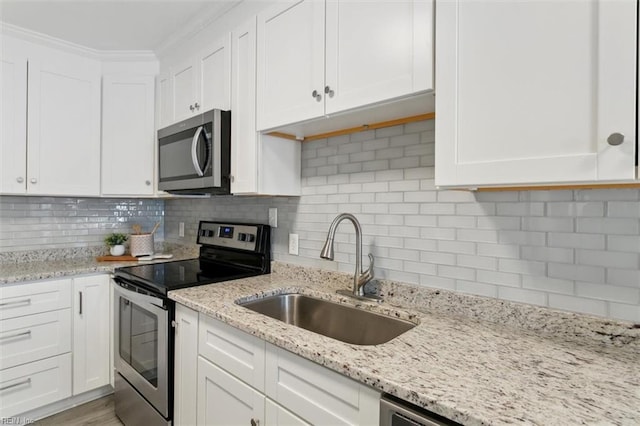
115, 239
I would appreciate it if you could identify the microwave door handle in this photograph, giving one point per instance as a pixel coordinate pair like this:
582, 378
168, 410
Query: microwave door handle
194, 151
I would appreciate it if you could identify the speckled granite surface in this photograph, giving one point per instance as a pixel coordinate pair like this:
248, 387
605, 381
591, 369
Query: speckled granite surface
44, 264
470, 359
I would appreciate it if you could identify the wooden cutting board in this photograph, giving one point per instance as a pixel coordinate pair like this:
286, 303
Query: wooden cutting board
123, 258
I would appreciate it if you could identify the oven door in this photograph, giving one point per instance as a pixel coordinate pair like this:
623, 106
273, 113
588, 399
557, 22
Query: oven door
141, 349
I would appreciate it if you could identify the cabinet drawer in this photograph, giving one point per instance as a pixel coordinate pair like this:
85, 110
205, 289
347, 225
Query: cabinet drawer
317, 394
32, 298
34, 337
33, 385
233, 350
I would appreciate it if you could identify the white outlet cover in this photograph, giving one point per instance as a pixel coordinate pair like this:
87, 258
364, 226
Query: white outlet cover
273, 217
293, 244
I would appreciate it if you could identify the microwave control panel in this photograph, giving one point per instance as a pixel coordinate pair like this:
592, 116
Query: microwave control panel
241, 237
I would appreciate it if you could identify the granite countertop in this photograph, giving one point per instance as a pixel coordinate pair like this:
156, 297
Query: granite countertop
41, 267
584, 370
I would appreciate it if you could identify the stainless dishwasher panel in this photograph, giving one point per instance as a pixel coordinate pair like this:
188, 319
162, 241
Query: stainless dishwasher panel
396, 413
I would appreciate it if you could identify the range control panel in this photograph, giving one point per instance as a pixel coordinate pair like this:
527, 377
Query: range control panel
236, 236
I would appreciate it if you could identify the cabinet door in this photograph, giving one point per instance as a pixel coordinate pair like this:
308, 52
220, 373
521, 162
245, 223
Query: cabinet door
377, 50
92, 319
127, 135
276, 415
34, 385
13, 116
184, 79
530, 92
63, 155
290, 63
186, 366
244, 142
215, 75
164, 101
316, 394
224, 400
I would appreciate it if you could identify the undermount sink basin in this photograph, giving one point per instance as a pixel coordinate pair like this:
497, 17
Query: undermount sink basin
341, 322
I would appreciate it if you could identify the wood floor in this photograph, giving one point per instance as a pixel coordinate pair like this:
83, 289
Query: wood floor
99, 412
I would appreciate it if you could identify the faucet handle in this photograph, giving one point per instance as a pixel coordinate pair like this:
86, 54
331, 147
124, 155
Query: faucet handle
367, 275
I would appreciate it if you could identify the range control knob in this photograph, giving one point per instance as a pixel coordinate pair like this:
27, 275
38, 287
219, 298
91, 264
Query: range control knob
242, 236
251, 238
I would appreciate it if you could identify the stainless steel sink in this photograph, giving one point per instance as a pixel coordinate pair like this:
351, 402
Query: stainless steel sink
341, 322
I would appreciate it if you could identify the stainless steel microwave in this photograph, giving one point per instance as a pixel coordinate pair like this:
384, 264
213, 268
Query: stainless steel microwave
194, 155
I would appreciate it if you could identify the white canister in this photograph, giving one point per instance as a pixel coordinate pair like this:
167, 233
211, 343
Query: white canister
141, 245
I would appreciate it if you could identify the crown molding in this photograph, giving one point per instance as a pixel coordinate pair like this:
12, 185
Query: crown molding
60, 44
195, 26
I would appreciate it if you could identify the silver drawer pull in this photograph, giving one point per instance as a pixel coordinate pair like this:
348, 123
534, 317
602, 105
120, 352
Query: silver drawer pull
24, 382
11, 336
17, 302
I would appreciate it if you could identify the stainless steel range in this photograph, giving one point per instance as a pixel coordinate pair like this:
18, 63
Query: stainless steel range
144, 344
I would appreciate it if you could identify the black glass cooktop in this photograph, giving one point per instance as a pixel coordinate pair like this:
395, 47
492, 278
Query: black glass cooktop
164, 277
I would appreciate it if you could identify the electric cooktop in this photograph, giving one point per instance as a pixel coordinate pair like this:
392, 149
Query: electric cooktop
228, 251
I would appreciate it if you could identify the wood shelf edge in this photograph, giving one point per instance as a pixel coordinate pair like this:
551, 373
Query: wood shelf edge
630, 185
362, 128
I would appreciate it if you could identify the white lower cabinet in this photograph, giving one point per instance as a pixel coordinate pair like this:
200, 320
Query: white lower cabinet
277, 415
186, 366
242, 380
317, 394
54, 341
91, 348
32, 385
225, 400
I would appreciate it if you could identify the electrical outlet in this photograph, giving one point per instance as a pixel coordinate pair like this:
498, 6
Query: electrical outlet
273, 217
181, 229
293, 244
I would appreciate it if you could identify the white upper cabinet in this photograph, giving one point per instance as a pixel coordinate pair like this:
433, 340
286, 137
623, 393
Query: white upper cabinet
201, 82
290, 63
316, 59
128, 138
377, 50
164, 100
50, 133
13, 116
260, 164
184, 90
214, 82
535, 92
244, 145
63, 142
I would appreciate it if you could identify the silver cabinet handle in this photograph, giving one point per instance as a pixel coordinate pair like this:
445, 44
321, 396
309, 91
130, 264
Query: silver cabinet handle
19, 179
147, 182
328, 91
80, 308
191, 108
197, 106
11, 336
615, 139
17, 302
316, 95
232, 178
34, 180
255, 422
24, 382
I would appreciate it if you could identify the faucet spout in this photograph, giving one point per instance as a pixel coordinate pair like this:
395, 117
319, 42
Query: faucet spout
360, 278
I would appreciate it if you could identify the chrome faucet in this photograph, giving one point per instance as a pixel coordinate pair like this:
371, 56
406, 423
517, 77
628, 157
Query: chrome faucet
359, 278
